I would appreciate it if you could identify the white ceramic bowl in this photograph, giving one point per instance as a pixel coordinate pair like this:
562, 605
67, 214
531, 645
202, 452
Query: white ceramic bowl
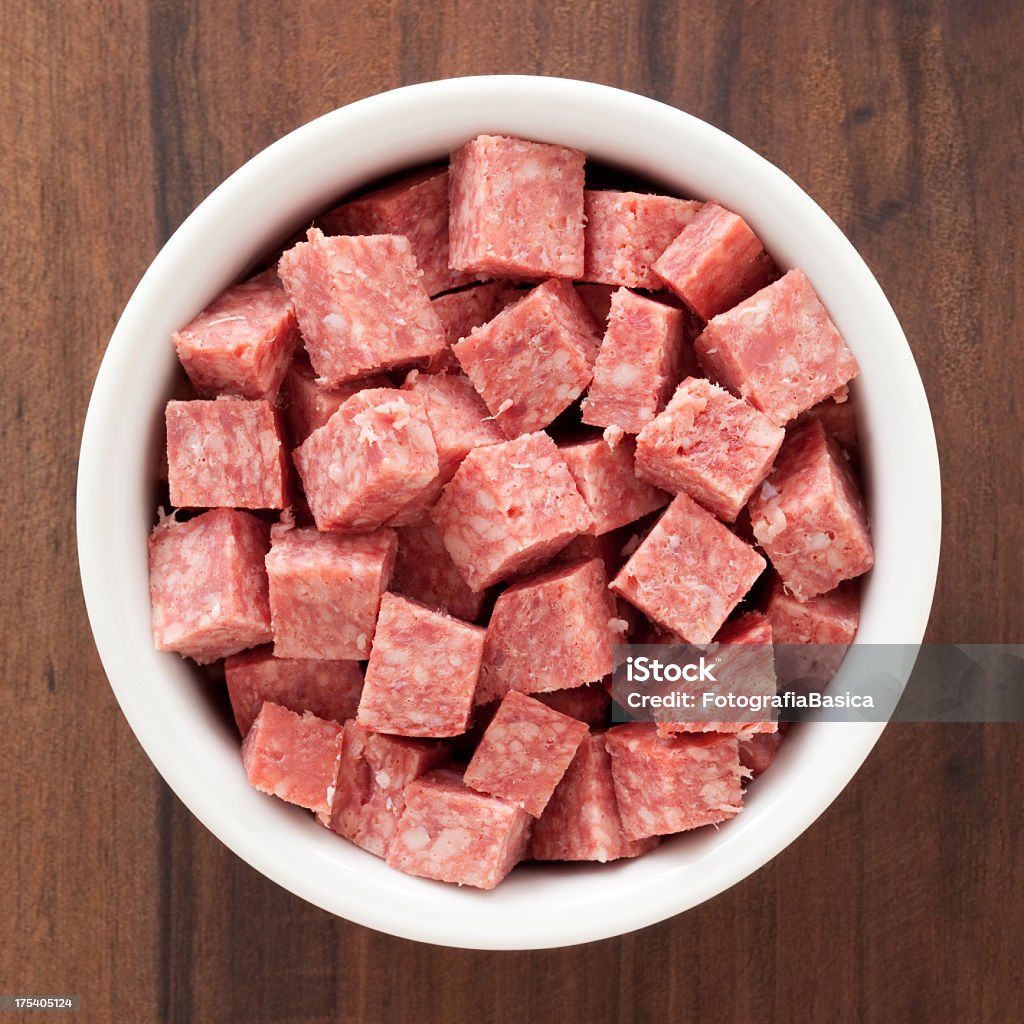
197, 751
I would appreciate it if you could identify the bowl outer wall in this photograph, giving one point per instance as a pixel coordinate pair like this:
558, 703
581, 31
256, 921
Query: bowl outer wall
195, 750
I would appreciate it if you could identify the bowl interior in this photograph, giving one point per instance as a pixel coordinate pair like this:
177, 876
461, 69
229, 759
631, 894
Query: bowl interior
184, 731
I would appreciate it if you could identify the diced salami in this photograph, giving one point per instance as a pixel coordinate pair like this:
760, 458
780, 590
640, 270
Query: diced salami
422, 672
715, 262
581, 821
554, 631
361, 304
307, 406
242, 342
606, 478
325, 591
598, 300
639, 364
669, 784
509, 508
590, 703
524, 753
327, 689
454, 834
689, 573
627, 231
809, 517
778, 349
416, 207
534, 359
373, 458
293, 757
713, 446
461, 311
425, 572
228, 452
373, 772
516, 208
208, 585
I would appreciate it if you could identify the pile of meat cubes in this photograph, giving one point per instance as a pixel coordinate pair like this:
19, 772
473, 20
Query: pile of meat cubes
481, 426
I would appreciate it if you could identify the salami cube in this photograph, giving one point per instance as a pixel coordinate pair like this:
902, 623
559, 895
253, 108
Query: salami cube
758, 751
689, 573
425, 572
598, 300
590, 703
373, 772
516, 208
508, 509
374, 457
715, 262
581, 821
459, 312
294, 757
422, 672
669, 784
713, 446
641, 359
839, 420
627, 231
208, 585
228, 452
809, 517
242, 343
325, 591
778, 349
327, 689
524, 753
533, 360
554, 631
308, 406
361, 304
416, 207
606, 479
454, 834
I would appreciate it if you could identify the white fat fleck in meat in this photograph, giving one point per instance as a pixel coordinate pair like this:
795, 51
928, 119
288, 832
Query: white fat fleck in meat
382, 779
336, 323
416, 838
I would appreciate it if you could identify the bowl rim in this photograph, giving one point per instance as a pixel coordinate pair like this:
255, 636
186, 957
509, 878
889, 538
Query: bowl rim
354, 885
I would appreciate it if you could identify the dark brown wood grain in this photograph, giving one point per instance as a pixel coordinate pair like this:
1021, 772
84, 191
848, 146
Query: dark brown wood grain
902, 119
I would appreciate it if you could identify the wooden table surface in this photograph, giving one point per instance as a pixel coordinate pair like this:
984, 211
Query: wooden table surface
903, 120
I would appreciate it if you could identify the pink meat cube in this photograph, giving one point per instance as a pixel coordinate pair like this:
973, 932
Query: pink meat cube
524, 753
516, 208
809, 517
425, 572
308, 407
361, 304
325, 591
327, 689
459, 312
689, 573
627, 231
606, 479
714, 447
373, 458
416, 207
208, 585
715, 262
422, 672
454, 834
554, 631
639, 364
598, 300
372, 775
227, 452
294, 757
509, 508
533, 360
581, 820
590, 703
242, 342
757, 752
668, 784
778, 349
